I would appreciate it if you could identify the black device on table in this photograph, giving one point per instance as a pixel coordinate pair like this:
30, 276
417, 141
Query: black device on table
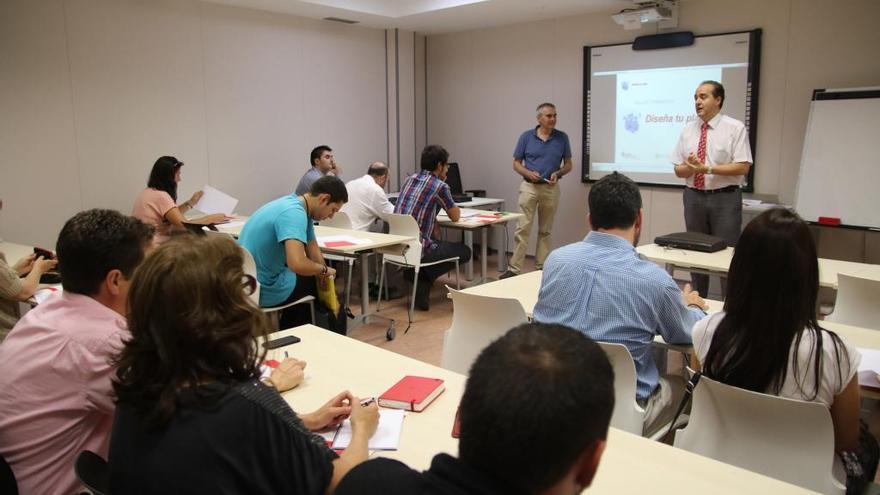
281, 342
50, 277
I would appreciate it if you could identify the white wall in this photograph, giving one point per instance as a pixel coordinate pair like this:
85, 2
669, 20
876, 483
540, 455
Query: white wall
483, 86
93, 91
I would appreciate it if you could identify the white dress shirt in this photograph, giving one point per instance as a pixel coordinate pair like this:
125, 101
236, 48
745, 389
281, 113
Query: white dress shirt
366, 202
726, 142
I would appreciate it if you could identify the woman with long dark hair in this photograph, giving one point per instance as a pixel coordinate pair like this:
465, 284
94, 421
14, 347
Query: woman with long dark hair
768, 338
192, 415
157, 204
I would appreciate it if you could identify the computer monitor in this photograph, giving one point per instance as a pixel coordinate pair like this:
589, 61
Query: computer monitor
453, 178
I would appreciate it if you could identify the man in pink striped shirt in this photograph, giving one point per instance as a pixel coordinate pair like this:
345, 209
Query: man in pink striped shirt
55, 364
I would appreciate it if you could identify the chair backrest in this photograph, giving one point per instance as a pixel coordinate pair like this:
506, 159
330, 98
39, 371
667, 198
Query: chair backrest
7, 478
93, 472
786, 439
340, 221
627, 414
250, 268
858, 301
405, 225
476, 322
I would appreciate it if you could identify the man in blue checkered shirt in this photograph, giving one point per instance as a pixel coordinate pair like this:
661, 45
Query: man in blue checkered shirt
422, 196
601, 287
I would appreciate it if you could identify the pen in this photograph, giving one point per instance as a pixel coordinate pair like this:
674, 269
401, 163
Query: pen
368, 401
285, 354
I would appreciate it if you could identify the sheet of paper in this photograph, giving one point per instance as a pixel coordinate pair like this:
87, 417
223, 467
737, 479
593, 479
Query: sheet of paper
465, 213
387, 435
216, 201
45, 293
870, 360
341, 241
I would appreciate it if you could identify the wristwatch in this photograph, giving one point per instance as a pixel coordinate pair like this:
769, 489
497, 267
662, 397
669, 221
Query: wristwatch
709, 170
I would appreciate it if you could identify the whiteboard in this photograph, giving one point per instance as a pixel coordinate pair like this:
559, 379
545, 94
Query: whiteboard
840, 165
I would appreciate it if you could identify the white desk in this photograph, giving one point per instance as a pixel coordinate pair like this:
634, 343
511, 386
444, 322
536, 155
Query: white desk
15, 252
630, 464
718, 263
376, 242
525, 288
482, 223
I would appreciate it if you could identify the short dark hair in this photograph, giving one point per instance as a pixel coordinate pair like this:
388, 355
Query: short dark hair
317, 152
614, 202
432, 156
717, 90
546, 104
377, 169
191, 321
547, 387
93, 242
332, 185
162, 175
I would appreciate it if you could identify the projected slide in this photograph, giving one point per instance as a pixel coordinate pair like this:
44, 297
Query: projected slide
651, 111
638, 102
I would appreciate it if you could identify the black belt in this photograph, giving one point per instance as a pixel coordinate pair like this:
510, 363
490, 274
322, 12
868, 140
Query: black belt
535, 182
715, 191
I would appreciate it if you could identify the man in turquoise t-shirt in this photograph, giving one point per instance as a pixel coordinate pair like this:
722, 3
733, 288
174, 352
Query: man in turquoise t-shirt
281, 238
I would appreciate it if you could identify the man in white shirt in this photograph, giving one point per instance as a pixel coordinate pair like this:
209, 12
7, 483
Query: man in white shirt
713, 155
366, 197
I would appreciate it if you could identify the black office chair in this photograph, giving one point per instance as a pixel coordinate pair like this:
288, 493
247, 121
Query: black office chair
93, 472
7, 478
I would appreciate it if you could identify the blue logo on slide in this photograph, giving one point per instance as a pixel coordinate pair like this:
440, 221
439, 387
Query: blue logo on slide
631, 122
624, 85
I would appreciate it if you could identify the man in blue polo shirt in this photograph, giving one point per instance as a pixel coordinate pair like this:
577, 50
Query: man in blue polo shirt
542, 156
281, 238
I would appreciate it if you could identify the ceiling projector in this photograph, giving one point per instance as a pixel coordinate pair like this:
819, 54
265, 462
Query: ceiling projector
645, 12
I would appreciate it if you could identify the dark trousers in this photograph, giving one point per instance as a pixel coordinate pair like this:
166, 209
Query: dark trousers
299, 314
717, 214
441, 251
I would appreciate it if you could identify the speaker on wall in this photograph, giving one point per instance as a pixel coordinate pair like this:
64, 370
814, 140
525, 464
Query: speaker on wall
665, 40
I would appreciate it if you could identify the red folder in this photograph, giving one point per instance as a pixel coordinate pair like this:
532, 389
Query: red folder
333, 244
412, 393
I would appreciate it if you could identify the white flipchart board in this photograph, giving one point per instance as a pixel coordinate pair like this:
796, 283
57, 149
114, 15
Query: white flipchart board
840, 164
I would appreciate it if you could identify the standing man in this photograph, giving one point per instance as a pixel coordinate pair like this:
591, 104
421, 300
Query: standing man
542, 156
713, 155
367, 201
323, 164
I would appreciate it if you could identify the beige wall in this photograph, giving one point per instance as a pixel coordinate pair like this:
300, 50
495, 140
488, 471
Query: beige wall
483, 86
93, 91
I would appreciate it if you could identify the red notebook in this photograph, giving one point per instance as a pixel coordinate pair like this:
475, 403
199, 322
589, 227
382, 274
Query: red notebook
412, 393
333, 244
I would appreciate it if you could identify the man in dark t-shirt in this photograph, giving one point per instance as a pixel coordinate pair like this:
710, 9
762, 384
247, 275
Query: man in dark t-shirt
564, 439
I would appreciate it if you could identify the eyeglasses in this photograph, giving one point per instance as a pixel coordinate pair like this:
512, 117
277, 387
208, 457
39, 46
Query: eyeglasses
248, 284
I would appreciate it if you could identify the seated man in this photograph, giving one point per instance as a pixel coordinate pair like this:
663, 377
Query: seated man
421, 196
322, 163
602, 288
281, 238
55, 365
508, 444
367, 201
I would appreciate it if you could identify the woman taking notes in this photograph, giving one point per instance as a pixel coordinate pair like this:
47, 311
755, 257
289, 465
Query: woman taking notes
768, 339
157, 206
192, 415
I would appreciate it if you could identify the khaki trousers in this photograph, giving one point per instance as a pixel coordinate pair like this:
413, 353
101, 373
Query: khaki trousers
543, 199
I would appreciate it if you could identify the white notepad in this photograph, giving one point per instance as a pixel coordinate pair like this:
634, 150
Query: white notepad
215, 201
387, 436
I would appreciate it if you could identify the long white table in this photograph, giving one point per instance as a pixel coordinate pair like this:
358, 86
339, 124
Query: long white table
524, 288
481, 223
630, 464
373, 242
718, 263
14, 251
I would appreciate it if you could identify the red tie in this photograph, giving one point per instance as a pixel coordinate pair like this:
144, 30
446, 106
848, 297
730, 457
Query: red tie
700, 178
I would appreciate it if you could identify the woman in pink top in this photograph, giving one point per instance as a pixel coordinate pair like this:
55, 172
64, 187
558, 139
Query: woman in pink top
157, 206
